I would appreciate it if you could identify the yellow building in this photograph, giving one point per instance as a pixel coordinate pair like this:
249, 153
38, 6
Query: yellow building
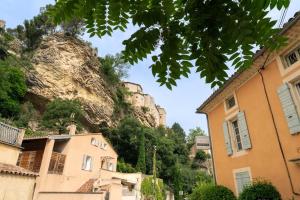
254, 121
15, 182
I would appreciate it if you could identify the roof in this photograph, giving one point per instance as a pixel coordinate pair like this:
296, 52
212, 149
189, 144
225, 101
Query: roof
260, 52
16, 170
87, 186
65, 137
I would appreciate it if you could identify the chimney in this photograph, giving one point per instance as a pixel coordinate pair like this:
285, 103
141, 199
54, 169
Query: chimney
72, 128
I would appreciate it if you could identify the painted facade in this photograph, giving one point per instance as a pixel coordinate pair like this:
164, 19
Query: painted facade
15, 182
254, 120
137, 98
69, 161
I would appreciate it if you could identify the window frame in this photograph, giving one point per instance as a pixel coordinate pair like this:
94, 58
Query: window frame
227, 102
86, 159
240, 170
285, 57
236, 134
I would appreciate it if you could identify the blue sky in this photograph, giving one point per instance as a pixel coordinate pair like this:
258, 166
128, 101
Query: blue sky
180, 103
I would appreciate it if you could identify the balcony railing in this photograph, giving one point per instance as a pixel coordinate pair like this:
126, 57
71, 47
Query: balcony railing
10, 134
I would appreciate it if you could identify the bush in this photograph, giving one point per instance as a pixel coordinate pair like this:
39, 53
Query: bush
125, 167
260, 190
58, 114
211, 192
12, 89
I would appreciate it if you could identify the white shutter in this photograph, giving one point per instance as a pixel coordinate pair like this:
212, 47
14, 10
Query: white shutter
84, 162
289, 108
242, 180
227, 139
243, 129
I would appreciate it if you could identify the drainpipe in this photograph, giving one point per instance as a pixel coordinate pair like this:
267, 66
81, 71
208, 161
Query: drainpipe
212, 154
276, 131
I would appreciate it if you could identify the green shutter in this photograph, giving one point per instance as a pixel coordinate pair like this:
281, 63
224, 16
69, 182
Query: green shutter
227, 139
289, 108
243, 129
242, 179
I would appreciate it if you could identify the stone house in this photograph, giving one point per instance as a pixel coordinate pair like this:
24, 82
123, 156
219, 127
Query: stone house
254, 121
15, 182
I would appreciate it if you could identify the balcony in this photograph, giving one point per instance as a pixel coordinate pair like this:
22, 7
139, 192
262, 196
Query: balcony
32, 160
10, 135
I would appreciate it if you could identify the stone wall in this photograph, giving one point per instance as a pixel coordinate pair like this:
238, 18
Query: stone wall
138, 99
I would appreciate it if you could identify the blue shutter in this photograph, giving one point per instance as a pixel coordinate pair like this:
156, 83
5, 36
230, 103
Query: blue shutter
289, 108
243, 129
242, 179
227, 139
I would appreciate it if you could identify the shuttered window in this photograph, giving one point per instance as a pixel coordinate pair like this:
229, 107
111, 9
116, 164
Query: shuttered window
242, 179
227, 139
238, 135
289, 108
243, 130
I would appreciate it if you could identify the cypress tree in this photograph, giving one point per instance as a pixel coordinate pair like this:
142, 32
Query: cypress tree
141, 162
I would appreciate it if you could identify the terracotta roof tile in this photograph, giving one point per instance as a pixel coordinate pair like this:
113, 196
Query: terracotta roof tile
13, 169
87, 186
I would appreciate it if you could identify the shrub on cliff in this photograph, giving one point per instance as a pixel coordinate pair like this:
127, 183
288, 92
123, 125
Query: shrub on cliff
59, 113
12, 89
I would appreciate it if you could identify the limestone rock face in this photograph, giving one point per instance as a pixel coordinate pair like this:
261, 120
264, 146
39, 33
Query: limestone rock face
68, 68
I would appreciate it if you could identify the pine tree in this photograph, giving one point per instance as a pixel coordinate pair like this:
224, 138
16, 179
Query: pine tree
141, 162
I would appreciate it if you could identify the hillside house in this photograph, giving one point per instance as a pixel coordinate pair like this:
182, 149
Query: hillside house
12, 175
254, 121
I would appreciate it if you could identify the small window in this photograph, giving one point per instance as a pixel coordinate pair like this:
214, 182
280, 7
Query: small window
93, 141
292, 57
87, 163
230, 102
242, 179
297, 86
237, 135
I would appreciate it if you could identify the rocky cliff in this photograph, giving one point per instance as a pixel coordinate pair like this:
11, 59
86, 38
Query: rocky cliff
68, 68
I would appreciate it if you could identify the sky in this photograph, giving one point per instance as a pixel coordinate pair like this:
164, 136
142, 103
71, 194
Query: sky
180, 103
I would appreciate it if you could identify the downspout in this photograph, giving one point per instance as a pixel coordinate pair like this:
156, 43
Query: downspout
276, 131
212, 154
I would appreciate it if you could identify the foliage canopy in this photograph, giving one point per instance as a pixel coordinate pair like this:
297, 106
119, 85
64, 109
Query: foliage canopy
58, 114
204, 34
212, 192
12, 89
260, 190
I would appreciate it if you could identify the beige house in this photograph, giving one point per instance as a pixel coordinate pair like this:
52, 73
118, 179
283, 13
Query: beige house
69, 161
10, 174
139, 99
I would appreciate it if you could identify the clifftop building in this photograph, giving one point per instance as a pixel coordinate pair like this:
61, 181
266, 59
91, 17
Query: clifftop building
2, 23
138, 98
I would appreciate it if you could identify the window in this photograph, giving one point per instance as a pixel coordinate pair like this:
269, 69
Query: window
87, 163
230, 102
297, 86
237, 136
292, 57
242, 179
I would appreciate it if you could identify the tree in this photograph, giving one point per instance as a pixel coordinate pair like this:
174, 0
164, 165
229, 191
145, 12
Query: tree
180, 147
141, 162
58, 114
114, 68
193, 133
73, 27
12, 89
177, 181
191, 33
